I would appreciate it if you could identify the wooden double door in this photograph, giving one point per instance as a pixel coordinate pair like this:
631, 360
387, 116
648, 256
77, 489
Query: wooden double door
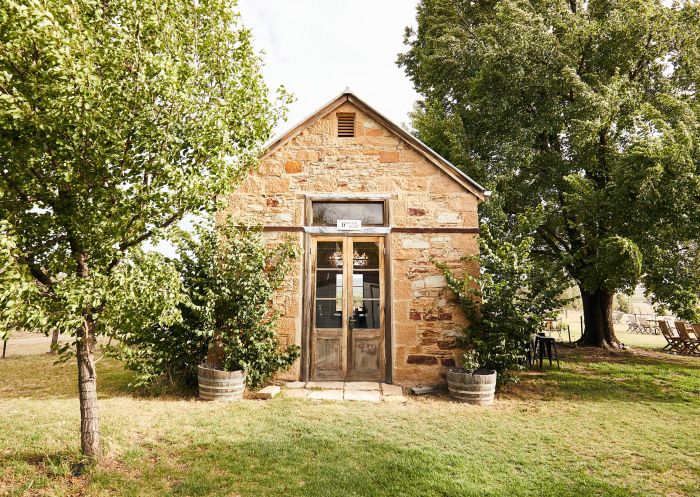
347, 322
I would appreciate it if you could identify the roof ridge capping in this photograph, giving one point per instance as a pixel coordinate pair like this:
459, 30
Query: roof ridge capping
347, 96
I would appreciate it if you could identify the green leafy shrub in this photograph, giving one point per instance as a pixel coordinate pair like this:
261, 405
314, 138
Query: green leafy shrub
245, 274
229, 276
507, 303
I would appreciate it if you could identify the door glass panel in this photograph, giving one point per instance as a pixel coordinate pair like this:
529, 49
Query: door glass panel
366, 314
327, 314
329, 284
365, 255
328, 213
329, 255
365, 285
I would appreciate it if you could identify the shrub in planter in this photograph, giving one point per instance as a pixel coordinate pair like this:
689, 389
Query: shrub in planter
507, 303
229, 276
243, 274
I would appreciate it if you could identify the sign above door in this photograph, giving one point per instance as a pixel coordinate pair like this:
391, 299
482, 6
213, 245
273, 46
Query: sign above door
349, 224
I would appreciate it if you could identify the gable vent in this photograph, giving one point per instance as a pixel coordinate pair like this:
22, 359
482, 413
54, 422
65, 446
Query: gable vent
346, 124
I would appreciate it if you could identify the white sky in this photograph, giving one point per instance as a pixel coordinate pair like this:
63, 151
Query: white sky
317, 48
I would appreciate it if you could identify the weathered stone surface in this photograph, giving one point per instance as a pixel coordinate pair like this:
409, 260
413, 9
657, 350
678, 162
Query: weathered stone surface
421, 359
268, 392
293, 167
412, 211
363, 395
361, 385
297, 393
389, 390
295, 384
325, 395
389, 156
325, 385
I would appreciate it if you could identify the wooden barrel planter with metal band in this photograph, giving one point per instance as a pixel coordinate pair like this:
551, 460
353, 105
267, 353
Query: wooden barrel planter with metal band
478, 388
215, 384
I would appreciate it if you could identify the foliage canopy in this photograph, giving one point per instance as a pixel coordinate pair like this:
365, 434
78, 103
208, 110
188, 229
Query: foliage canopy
587, 109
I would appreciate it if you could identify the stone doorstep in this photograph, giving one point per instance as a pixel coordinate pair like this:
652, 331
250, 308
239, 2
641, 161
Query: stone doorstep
325, 385
363, 395
295, 384
361, 385
296, 393
325, 395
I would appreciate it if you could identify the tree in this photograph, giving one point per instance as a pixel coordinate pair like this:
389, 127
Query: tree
117, 119
588, 109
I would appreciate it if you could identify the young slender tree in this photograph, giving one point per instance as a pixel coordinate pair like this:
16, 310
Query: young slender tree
586, 109
117, 119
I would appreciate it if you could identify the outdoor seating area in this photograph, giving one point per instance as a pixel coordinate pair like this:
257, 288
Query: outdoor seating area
646, 324
681, 337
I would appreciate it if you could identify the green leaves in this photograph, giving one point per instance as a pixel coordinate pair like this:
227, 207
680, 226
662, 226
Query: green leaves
117, 119
230, 275
590, 113
510, 299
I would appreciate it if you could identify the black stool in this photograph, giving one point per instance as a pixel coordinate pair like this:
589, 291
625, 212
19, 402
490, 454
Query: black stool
543, 342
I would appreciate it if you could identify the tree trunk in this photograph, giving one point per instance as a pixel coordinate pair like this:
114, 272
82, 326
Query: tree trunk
54, 341
87, 385
597, 316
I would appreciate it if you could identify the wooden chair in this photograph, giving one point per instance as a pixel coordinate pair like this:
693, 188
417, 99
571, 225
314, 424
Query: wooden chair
696, 329
692, 343
674, 343
632, 325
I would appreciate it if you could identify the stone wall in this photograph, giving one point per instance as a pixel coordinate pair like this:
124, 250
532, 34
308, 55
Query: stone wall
425, 317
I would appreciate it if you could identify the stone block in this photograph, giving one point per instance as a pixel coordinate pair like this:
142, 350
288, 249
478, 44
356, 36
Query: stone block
267, 393
391, 390
415, 243
374, 132
437, 281
361, 385
389, 156
325, 385
414, 211
448, 218
297, 393
309, 155
293, 167
421, 359
363, 395
295, 384
325, 395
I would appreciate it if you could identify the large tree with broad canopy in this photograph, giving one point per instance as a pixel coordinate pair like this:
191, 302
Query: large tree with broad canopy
588, 110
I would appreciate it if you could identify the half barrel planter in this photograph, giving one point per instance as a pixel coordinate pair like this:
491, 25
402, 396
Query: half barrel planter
478, 388
215, 384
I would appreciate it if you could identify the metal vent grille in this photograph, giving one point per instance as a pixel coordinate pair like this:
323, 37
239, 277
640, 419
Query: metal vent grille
346, 124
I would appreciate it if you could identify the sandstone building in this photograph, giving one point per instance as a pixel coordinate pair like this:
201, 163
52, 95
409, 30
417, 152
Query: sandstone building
369, 204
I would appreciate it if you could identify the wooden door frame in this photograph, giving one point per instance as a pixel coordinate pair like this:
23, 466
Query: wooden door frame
310, 241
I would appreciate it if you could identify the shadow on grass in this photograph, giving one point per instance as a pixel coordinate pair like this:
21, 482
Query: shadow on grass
594, 375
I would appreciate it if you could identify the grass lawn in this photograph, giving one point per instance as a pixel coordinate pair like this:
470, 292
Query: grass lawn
605, 425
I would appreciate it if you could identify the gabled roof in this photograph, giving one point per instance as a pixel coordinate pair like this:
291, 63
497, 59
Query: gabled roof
433, 157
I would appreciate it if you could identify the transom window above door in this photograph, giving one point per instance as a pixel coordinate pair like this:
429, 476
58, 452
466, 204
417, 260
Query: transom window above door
328, 213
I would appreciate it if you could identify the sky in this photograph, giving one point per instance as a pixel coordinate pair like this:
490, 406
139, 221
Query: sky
317, 48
